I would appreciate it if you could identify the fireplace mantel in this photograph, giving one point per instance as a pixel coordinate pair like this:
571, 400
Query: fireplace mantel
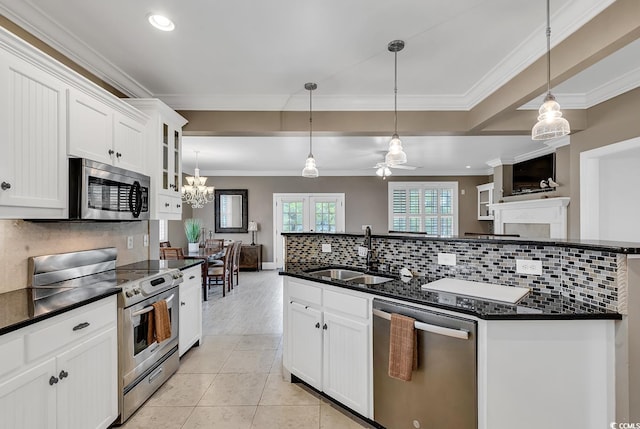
551, 211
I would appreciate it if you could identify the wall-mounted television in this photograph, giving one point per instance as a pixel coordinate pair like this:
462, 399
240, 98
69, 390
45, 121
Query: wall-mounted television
528, 174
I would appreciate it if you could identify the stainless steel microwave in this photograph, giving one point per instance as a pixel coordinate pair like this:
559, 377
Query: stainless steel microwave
100, 191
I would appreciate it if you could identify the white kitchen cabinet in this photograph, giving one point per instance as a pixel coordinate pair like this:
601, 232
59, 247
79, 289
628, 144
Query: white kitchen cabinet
164, 154
64, 371
327, 341
190, 319
346, 357
87, 389
28, 400
485, 198
100, 132
33, 165
305, 334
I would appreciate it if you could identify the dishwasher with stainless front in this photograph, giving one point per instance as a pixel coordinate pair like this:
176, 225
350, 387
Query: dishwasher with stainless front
442, 392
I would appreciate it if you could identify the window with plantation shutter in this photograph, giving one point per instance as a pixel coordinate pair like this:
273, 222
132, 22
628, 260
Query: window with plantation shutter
428, 207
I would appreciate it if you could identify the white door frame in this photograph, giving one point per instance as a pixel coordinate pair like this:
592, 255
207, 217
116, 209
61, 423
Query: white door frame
278, 248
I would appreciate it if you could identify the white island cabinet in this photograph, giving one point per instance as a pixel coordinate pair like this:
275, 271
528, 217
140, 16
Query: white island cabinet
62, 372
532, 373
327, 341
190, 319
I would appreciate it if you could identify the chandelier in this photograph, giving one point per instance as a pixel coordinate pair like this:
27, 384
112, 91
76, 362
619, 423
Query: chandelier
396, 155
195, 192
310, 170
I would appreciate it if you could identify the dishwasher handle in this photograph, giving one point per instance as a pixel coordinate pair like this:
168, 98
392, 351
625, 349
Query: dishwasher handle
440, 330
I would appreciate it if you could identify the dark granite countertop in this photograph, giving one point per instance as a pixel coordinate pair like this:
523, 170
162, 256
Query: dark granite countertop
535, 306
161, 264
18, 308
601, 245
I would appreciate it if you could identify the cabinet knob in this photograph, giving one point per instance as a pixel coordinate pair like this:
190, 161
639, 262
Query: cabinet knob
172, 186
53, 380
178, 206
318, 325
118, 154
5, 186
111, 152
182, 303
324, 326
63, 374
167, 204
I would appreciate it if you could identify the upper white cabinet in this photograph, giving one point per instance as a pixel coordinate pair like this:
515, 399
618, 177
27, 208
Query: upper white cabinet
485, 198
101, 132
33, 165
164, 155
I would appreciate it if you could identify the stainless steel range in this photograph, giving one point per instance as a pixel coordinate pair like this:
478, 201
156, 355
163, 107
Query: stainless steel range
143, 363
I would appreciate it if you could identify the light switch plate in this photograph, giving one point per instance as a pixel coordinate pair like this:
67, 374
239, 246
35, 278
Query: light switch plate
145, 240
446, 259
525, 266
326, 247
130, 242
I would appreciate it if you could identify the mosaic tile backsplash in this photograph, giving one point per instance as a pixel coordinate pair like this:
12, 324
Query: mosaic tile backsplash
589, 276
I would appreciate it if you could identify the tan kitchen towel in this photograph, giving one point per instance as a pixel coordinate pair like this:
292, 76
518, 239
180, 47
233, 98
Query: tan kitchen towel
162, 320
151, 327
403, 350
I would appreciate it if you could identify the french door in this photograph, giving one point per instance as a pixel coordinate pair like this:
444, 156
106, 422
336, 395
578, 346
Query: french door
305, 213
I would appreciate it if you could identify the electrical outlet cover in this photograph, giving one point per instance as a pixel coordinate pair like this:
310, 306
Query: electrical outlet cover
525, 266
145, 240
130, 242
362, 251
447, 259
326, 247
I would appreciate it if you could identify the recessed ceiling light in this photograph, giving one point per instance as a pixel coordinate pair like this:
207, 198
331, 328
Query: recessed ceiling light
468, 166
161, 22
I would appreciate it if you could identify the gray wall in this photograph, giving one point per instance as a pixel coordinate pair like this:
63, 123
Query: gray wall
365, 201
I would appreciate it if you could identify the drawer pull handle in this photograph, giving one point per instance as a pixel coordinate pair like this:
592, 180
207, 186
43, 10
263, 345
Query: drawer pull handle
63, 374
192, 277
155, 374
318, 325
53, 380
81, 326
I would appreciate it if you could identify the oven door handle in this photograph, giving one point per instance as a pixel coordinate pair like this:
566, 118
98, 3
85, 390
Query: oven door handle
150, 307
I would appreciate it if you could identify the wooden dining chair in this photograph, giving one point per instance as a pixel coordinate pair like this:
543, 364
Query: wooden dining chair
235, 268
165, 244
222, 274
171, 253
214, 244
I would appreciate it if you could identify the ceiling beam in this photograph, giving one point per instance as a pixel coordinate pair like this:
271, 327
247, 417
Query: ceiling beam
615, 27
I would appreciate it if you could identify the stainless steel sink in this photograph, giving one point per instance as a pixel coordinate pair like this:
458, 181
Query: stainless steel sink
337, 274
368, 279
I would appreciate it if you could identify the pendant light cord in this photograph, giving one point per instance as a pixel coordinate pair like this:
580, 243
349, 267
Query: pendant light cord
548, 49
395, 92
310, 123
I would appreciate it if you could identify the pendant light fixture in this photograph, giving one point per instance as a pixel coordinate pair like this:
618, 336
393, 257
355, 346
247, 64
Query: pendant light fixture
310, 170
396, 155
195, 192
550, 124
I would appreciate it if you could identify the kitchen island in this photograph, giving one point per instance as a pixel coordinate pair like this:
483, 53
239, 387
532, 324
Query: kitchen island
546, 352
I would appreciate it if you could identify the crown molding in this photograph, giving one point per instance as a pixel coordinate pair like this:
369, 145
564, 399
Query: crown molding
346, 173
53, 34
497, 162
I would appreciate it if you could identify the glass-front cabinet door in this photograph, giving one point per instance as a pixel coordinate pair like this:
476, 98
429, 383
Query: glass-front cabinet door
164, 149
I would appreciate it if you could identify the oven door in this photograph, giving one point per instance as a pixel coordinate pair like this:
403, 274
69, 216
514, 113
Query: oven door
137, 352
103, 192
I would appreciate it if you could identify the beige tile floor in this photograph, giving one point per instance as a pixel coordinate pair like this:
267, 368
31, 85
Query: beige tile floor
234, 379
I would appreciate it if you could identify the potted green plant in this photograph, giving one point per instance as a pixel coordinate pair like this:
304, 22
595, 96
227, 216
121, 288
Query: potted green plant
192, 228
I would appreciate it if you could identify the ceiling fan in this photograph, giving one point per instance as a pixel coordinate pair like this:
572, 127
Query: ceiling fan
384, 170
